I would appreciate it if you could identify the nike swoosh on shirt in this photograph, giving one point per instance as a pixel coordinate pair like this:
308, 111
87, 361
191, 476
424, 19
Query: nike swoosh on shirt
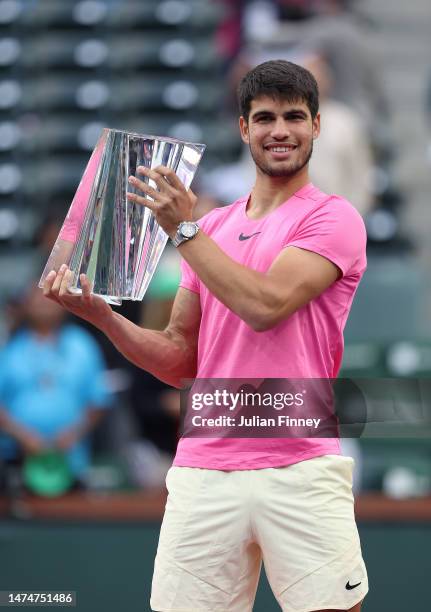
244, 237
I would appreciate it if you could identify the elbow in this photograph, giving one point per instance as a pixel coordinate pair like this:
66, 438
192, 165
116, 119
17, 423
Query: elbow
263, 320
262, 325
268, 311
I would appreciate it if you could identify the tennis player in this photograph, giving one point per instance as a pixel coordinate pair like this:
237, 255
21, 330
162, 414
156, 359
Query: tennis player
267, 285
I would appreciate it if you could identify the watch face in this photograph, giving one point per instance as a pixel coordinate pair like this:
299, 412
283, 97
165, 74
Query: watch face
188, 230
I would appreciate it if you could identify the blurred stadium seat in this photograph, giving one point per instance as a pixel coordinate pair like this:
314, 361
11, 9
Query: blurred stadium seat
382, 455
409, 358
70, 68
47, 94
67, 14
118, 53
125, 14
62, 51
193, 14
363, 360
157, 50
53, 176
147, 92
390, 300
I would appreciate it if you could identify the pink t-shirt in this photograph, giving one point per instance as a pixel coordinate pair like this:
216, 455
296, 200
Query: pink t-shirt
309, 344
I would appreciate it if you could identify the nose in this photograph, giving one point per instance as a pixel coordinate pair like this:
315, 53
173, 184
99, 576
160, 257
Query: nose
280, 129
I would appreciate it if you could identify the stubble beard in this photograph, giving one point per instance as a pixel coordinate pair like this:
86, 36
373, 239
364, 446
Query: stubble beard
282, 172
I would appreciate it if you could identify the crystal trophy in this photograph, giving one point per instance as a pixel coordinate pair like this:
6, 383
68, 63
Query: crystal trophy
115, 242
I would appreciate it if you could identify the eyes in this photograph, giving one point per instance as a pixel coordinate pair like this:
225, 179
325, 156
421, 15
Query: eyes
262, 118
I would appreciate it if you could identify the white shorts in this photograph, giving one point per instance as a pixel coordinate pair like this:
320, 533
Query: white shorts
219, 526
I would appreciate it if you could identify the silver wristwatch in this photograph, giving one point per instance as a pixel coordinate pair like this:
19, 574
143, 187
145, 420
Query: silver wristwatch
185, 231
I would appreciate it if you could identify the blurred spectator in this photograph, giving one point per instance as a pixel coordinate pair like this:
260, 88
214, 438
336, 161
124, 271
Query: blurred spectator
328, 29
52, 392
229, 31
342, 160
228, 182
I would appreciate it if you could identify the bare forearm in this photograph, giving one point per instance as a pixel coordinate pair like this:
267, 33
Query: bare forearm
158, 352
168, 355
246, 292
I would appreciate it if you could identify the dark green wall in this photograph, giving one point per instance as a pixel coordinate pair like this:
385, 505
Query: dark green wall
110, 566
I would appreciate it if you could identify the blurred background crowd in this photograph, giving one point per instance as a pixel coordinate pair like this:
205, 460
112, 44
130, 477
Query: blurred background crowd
171, 67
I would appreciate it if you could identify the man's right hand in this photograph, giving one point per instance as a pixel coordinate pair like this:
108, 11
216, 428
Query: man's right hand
87, 306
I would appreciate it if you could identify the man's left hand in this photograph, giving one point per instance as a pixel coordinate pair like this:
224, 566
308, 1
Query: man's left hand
170, 203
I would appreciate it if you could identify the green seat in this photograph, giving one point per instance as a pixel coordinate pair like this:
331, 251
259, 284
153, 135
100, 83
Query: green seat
60, 50
409, 358
53, 176
382, 455
151, 14
363, 359
47, 14
162, 51
148, 92
64, 93
389, 300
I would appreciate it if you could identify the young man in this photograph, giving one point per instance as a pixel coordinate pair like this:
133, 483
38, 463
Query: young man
266, 289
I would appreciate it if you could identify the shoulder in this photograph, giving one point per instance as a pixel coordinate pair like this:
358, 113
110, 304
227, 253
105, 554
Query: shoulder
344, 212
332, 227
334, 209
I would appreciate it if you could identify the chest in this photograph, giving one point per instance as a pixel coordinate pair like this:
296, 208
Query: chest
255, 244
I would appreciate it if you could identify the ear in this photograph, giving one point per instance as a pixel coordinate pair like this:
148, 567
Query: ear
243, 128
316, 126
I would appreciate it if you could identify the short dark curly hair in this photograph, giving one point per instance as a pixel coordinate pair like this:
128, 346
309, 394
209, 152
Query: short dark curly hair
278, 79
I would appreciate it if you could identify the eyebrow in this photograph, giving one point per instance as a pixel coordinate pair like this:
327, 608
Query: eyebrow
292, 111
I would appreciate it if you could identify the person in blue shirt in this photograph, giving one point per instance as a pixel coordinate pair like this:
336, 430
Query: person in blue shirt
52, 388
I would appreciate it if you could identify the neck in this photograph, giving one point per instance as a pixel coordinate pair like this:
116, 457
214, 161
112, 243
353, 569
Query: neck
270, 192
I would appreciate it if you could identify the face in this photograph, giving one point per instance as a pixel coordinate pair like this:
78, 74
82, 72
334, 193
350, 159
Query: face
280, 135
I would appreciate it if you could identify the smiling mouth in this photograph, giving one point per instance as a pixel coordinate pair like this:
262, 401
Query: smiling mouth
280, 148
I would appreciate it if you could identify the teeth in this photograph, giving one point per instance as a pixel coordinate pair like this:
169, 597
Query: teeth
281, 149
